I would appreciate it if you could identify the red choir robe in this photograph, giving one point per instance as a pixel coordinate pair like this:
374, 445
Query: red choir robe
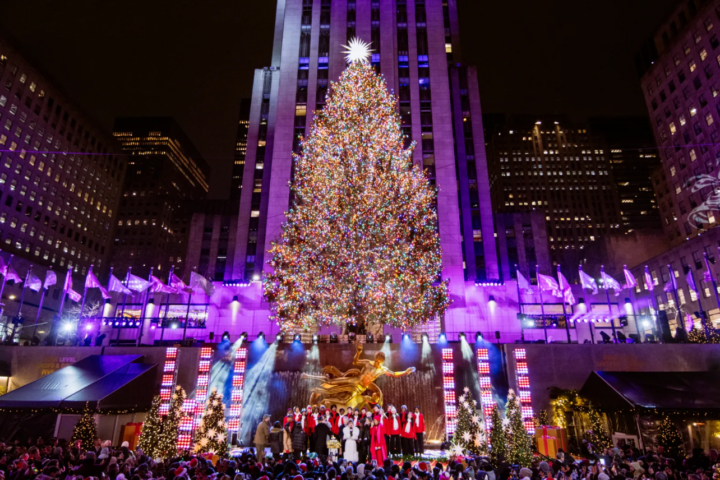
378, 449
408, 428
419, 422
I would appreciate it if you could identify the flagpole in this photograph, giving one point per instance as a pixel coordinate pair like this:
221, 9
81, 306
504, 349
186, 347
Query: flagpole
520, 307
678, 318
122, 312
607, 295
653, 302
42, 299
22, 301
62, 301
567, 322
542, 304
144, 309
167, 305
2, 288
633, 297
82, 306
187, 315
699, 301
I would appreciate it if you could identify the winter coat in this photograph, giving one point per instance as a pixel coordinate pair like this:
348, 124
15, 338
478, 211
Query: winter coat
275, 440
287, 437
298, 438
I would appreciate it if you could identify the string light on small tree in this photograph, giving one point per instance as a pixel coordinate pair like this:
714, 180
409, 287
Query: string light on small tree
498, 439
168, 439
469, 436
520, 448
211, 436
150, 437
85, 429
670, 439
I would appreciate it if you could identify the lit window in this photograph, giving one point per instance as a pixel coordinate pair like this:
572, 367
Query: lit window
448, 48
693, 111
673, 130
692, 65
693, 155
682, 120
709, 119
703, 55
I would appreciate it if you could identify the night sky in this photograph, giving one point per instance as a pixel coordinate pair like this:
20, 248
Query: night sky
195, 60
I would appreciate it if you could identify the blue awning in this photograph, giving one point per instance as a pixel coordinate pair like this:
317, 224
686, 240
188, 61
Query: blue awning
105, 381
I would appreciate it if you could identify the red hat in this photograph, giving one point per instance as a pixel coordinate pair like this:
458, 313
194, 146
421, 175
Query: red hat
179, 471
423, 466
298, 477
303, 467
264, 477
193, 462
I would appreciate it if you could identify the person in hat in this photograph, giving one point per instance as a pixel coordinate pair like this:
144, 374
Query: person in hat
262, 435
275, 440
309, 427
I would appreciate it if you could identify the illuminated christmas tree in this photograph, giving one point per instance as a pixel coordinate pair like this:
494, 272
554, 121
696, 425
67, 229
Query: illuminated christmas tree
211, 436
697, 335
669, 438
469, 433
167, 443
598, 435
151, 434
498, 439
520, 443
360, 243
85, 429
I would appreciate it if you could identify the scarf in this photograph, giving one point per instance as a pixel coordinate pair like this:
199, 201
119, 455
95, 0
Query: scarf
407, 427
395, 422
417, 421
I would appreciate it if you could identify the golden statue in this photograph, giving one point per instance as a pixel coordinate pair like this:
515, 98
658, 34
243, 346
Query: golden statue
349, 389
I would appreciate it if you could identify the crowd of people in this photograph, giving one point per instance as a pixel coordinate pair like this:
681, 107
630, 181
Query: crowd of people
358, 435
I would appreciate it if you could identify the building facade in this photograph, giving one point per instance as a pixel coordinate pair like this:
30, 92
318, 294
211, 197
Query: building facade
523, 241
166, 176
61, 176
681, 84
633, 156
548, 164
241, 141
211, 246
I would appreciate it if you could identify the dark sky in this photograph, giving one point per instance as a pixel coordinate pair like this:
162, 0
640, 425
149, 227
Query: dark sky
194, 59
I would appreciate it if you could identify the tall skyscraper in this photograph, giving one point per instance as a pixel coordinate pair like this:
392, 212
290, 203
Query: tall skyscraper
241, 141
416, 48
166, 175
681, 89
549, 164
633, 156
60, 175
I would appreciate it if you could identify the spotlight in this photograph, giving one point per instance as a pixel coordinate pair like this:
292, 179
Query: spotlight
442, 337
243, 336
226, 336
261, 336
462, 336
491, 300
478, 337
315, 339
88, 327
151, 301
388, 338
334, 338
153, 326
627, 302
108, 301
405, 336
67, 327
174, 325
116, 324
370, 338
256, 277
235, 300
278, 337
297, 337
352, 337
425, 337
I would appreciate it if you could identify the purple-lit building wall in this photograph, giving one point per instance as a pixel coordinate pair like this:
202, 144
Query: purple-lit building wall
681, 84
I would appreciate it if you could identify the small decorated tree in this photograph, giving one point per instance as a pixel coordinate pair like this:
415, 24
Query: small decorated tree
697, 335
598, 435
498, 439
151, 434
211, 436
85, 429
469, 433
520, 448
669, 438
167, 444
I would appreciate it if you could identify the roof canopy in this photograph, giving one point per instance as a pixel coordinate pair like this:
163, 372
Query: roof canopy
654, 390
105, 381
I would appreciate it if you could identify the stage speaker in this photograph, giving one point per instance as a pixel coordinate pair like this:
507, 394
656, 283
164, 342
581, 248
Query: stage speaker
212, 335
664, 327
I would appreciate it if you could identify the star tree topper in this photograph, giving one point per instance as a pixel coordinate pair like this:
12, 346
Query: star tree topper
357, 51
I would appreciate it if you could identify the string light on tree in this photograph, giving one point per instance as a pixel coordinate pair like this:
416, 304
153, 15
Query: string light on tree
85, 429
360, 243
151, 434
211, 436
669, 438
520, 448
169, 439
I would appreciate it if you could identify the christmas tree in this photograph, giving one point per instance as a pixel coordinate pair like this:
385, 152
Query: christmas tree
520, 448
498, 439
151, 434
697, 335
469, 433
669, 438
360, 243
598, 435
167, 443
85, 429
211, 436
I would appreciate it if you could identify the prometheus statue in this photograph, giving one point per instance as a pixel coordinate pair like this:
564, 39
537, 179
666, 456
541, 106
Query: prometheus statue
350, 389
